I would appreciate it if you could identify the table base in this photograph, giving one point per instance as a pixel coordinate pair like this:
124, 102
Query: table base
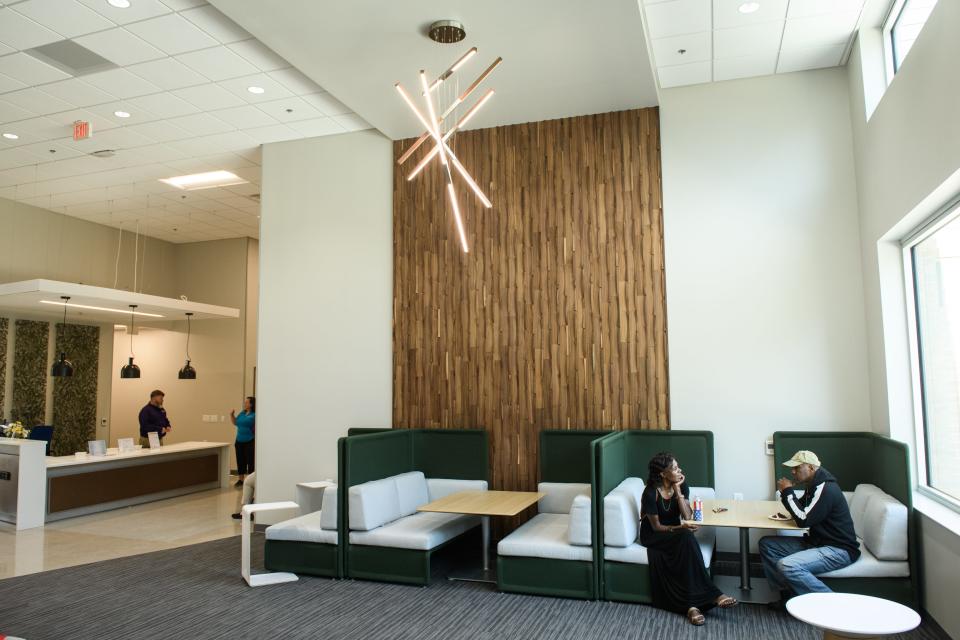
759, 592
488, 576
830, 635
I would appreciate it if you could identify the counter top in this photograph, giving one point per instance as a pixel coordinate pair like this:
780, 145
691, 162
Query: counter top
180, 447
12, 445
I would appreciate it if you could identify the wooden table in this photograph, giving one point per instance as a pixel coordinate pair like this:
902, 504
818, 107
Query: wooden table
849, 615
746, 515
484, 504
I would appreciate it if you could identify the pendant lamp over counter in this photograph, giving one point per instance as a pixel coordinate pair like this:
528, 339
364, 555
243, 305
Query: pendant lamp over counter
130, 370
62, 368
188, 372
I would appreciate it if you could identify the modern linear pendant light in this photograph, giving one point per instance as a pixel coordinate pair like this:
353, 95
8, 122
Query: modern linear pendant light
188, 372
62, 368
435, 125
130, 370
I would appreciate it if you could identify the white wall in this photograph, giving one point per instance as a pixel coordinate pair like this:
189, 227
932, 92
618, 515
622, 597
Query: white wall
908, 165
326, 289
762, 250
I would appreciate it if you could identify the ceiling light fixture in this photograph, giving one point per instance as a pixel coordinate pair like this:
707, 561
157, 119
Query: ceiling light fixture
130, 370
87, 306
11, 136
187, 372
447, 31
119, 4
256, 90
121, 114
748, 7
206, 180
62, 368
432, 126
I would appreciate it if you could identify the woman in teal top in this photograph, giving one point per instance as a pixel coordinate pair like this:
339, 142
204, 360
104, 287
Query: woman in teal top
245, 424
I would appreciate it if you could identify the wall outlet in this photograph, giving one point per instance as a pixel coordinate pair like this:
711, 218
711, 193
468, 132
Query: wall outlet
738, 496
768, 446
103, 422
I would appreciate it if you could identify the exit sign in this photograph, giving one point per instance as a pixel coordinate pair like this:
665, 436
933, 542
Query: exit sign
81, 130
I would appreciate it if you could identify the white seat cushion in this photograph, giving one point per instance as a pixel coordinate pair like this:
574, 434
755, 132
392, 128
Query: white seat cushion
637, 553
421, 531
858, 505
373, 504
305, 528
442, 487
885, 528
544, 536
560, 495
621, 513
580, 529
868, 566
328, 513
412, 491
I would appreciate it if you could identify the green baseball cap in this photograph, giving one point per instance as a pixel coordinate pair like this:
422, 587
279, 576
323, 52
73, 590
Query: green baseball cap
803, 457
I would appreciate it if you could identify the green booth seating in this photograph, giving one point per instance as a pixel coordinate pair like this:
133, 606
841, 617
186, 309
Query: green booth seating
627, 454
862, 457
438, 453
565, 457
360, 431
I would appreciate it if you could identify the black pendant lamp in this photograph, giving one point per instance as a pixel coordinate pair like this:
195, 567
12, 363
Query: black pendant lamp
130, 370
188, 372
62, 368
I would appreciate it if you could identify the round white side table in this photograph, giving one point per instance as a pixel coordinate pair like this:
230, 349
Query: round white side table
849, 615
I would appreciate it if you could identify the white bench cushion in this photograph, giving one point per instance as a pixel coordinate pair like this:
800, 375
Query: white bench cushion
858, 505
544, 536
868, 566
328, 512
560, 495
373, 504
621, 513
305, 528
412, 491
885, 527
421, 531
580, 529
637, 553
442, 487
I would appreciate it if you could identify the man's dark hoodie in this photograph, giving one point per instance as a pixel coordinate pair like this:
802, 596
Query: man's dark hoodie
824, 510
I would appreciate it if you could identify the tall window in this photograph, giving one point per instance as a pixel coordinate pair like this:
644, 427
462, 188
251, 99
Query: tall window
932, 259
902, 27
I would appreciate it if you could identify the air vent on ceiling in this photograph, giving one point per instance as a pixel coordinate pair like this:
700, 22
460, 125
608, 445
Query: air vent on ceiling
103, 153
70, 57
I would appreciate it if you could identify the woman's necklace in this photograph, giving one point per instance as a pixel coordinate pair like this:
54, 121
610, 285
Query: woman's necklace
667, 505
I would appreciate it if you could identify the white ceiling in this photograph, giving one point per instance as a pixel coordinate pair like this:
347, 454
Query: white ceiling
721, 43
183, 72
561, 57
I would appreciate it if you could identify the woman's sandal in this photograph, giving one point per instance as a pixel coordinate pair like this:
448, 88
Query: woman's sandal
695, 617
725, 602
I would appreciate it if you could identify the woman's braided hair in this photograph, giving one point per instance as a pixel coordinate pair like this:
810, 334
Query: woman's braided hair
658, 464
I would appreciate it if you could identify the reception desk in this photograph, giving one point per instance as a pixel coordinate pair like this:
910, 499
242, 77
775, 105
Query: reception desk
76, 487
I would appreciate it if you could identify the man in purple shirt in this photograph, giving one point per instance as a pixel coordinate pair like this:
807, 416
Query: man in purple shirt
153, 417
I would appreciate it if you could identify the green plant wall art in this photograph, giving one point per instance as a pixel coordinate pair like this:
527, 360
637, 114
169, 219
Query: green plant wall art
29, 402
75, 398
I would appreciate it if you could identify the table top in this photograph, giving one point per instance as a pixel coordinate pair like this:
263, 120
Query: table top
484, 503
754, 514
852, 614
136, 454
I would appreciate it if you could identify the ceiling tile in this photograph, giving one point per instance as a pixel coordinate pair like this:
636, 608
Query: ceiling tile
172, 34
9, 84
318, 127
66, 17
20, 32
120, 47
352, 122
290, 109
744, 67
121, 83
65, 120
693, 47
273, 133
217, 63
138, 10
208, 97
819, 31
118, 138
327, 104
295, 81
726, 13
678, 17
221, 142
36, 102
216, 24
817, 7
161, 131
165, 105
245, 117
257, 54
684, 74
42, 150
138, 115
180, 5
167, 73
752, 40
29, 70
4, 50
78, 92
202, 124
159, 152
815, 58
272, 90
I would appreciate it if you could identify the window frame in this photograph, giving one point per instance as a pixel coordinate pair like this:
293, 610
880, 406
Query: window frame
889, 46
950, 212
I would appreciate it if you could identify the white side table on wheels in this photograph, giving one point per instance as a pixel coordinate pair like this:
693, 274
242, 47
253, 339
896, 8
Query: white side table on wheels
850, 615
246, 528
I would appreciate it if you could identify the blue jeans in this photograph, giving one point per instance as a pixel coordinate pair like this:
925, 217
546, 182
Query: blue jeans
790, 563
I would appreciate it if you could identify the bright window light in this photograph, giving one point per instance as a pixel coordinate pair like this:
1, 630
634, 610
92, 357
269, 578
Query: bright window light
60, 303
207, 180
902, 28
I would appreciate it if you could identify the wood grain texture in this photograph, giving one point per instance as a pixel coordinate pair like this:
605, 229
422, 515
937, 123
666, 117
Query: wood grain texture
484, 503
556, 318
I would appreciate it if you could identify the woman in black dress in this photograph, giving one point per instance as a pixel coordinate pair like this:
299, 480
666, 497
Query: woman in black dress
679, 583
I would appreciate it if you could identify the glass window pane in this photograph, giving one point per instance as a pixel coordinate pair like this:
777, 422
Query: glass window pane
936, 264
907, 27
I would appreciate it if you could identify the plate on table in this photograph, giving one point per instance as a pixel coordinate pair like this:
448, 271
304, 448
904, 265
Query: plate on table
779, 517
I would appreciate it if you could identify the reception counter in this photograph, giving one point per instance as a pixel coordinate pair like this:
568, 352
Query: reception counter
76, 487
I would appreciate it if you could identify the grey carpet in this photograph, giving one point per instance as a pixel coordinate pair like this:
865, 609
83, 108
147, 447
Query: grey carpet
196, 592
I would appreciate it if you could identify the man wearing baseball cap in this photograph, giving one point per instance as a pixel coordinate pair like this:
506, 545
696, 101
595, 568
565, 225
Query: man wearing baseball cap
814, 500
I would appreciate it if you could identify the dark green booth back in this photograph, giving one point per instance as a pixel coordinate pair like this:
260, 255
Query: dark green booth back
565, 455
627, 454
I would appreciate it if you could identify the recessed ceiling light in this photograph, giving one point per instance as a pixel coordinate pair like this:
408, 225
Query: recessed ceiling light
121, 114
119, 4
206, 180
10, 136
748, 7
256, 90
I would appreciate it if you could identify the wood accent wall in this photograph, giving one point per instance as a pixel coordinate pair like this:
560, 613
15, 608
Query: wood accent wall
556, 317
